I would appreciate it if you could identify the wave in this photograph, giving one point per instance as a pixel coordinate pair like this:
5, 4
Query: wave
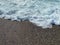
42, 13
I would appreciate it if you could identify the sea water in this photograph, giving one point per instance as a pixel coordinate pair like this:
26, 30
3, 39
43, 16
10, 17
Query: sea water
42, 13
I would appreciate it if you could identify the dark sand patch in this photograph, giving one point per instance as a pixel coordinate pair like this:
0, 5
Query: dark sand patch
25, 33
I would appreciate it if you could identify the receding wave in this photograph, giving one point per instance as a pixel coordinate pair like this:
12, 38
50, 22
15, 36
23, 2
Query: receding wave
42, 13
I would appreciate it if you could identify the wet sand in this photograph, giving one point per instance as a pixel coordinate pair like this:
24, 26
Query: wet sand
25, 33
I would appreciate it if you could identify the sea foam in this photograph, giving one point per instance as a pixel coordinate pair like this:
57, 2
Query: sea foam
42, 13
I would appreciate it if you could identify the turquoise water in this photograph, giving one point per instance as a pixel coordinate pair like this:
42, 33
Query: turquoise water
40, 12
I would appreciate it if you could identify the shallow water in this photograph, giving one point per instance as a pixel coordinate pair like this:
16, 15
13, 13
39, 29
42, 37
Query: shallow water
42, 13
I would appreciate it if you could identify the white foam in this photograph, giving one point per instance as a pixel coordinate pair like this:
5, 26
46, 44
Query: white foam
40, 12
